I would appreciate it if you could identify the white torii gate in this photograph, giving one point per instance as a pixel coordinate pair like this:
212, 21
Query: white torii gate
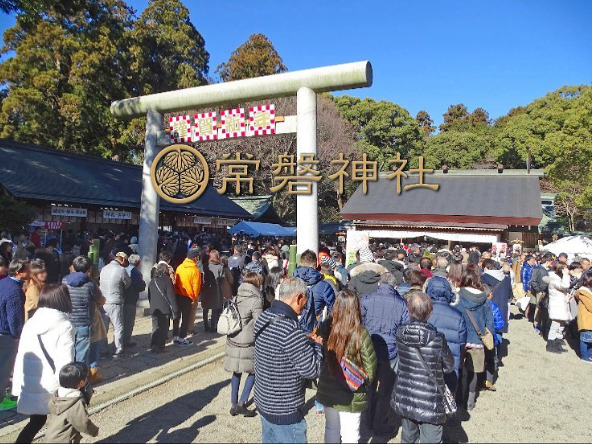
304, 84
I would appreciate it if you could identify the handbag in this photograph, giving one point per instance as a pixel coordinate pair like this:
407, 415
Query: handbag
450, 406
487, 337
230, 322
355, 377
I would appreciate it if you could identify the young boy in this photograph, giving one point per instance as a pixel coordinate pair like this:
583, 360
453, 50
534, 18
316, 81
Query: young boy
68, 417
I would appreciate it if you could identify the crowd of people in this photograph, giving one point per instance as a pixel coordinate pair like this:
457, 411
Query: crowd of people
407, 331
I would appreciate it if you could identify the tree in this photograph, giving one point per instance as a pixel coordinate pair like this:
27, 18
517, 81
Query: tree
456, 116
167, 50
255, 58
479, 117
15, 215
458, 149
426, 123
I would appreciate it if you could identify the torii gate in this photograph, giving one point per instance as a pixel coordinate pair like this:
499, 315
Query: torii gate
304, 84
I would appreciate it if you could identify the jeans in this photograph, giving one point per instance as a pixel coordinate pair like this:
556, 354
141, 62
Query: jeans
115, 314
160, 329
184, 304
491, 362
556, 330
586, 345
412, 432
380, 399
35, 424
341, 426
291, 433
94, 354
8, 349
235, 385
82, 345
129, 320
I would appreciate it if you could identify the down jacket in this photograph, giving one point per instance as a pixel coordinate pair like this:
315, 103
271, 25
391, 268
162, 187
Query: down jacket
240, 348
382, 313
333, 391
34, 381
558, 297
84, 295
416, 395
447, 319
323, 293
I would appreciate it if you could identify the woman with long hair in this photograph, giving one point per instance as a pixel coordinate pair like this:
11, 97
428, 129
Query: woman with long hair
345, 340
34, 287
211, 294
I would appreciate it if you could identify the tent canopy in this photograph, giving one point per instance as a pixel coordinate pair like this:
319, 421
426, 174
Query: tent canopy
572, 245
257, 229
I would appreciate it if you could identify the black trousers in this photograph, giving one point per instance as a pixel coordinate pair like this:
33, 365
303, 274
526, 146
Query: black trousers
36, 423
184, 304
160, 329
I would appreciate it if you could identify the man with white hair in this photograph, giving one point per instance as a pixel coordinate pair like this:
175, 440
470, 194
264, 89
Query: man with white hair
132, 294
285, 357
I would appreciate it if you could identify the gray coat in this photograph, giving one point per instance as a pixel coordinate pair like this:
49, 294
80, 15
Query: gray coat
114, 282
240, 349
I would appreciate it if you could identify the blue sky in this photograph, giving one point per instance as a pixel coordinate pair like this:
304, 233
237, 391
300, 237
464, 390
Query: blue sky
426, 54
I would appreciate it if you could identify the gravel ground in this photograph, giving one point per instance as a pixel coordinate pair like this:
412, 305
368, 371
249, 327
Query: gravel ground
539, 399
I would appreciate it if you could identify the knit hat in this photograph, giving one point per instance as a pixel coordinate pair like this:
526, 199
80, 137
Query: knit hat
193, 253
366, 255
328, 261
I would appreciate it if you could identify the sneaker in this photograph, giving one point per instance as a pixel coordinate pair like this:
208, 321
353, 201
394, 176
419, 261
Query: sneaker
538, 330
119, 355
587, 361
183, 343
7, 404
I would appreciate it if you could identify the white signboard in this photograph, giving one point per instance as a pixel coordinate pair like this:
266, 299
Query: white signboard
223, 222
202, 220
68, 211
108, 214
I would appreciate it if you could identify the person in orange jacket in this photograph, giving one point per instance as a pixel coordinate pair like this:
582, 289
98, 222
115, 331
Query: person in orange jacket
188, 282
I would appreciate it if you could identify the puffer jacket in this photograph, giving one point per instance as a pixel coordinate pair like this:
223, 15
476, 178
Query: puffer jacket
323, 293
68, 417
333, 391
416, 395
584, 298
34, 381
447, 319
364, 278
382, 313
84, 295
480, 308
240, 348
114, 282
558, 297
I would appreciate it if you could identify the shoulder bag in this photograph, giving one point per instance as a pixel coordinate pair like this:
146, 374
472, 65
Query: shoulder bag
447, 396
230, 322
487, 337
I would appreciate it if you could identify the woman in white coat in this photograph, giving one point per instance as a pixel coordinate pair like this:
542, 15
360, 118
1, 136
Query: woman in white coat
46, 345
559, 313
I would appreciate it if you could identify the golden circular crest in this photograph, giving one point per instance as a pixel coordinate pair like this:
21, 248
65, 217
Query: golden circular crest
180, 174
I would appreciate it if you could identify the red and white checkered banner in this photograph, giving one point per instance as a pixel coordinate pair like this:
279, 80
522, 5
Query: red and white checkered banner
180, 127
262, 120
233, 124
206, 127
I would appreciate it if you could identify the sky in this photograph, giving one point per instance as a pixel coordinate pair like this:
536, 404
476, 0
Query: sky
425, 54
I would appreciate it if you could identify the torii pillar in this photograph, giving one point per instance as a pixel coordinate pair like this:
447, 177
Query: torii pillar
304, 84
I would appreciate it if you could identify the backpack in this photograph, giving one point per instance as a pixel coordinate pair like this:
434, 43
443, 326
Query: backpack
230, 322
308, 318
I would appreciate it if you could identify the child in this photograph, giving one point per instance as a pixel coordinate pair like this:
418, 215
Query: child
492, 357
68, 417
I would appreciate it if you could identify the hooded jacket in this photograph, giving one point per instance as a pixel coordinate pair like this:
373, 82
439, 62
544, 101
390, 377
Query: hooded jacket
558, 297
480, 307
84, 295
114, 282
394, 268
68, 417
416, 395
447, 319
34, 381
188, 280
323, 293
383, 312
584, 298
365, 277
503, 291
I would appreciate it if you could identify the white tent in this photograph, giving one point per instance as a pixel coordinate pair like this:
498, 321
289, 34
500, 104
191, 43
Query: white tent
572, 245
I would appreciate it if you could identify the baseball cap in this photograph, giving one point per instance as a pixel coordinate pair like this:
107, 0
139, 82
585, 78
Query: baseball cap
121, 254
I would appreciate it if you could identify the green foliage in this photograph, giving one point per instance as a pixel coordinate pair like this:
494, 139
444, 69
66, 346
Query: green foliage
15, 215
255, 58
382, 128
426, 123
458, 149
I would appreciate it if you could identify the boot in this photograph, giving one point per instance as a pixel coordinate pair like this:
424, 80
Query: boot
243, 410
471, 401
559, 343
552, 347
94, 377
